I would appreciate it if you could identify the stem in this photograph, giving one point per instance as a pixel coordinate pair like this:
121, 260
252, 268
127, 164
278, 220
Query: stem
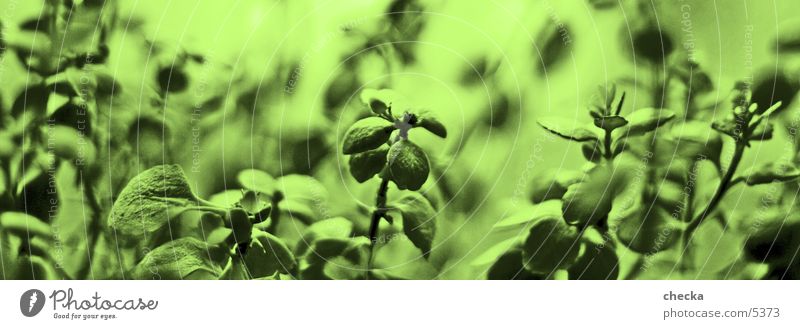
724, 184
96, 227
377, 214
608, 155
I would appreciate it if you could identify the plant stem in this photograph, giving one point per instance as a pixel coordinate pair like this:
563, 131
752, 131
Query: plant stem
608, 155
724, 184
377, 214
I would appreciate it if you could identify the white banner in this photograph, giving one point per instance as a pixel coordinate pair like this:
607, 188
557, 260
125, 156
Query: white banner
399, 304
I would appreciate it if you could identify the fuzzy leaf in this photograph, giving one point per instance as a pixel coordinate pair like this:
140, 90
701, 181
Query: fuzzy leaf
366, 165
179, 259
568, 129
366, 134
150, 200
418, 221
408, 165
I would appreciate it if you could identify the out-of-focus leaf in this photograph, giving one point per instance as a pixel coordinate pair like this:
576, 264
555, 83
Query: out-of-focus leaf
257, 180
643, 121
772, 171
23, 224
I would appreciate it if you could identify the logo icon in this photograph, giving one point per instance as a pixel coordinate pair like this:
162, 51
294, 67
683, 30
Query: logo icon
31, 302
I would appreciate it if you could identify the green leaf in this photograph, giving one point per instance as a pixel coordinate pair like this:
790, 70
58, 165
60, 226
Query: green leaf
490, 255
588, 201
509, 267
551, 245
726, 127
335, 229
763, 132
418, 221
267, 254
298, 209
426, 120
531, 213
772, 171
179, 259
568, 129
257, 180
366, 134
646, 229
240, 224
366, 165
598, 262
713, 247
378, 100
150, 200
643, 121
408, 165
610, 122
23, 225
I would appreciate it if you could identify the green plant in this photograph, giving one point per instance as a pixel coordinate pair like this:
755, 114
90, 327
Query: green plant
380, 145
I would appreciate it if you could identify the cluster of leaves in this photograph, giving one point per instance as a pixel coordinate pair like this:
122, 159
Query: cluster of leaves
644, 195
52, 133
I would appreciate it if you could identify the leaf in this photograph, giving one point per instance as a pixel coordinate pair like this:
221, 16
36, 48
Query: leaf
588, 201
557, 44
408, 165
267, 254
240, 224
150, 200
568, 129
643, 121
378, 100
23, 225
430, 123
181, 259
763, 132
772, 171
551, 245
531, 213
788, 40
726, 127
299, 210
598, 262
610, 122
366, 165
418, 221
366, 134
713, 248
509, 267
257, 180
645, 229
490, 255
336, 229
